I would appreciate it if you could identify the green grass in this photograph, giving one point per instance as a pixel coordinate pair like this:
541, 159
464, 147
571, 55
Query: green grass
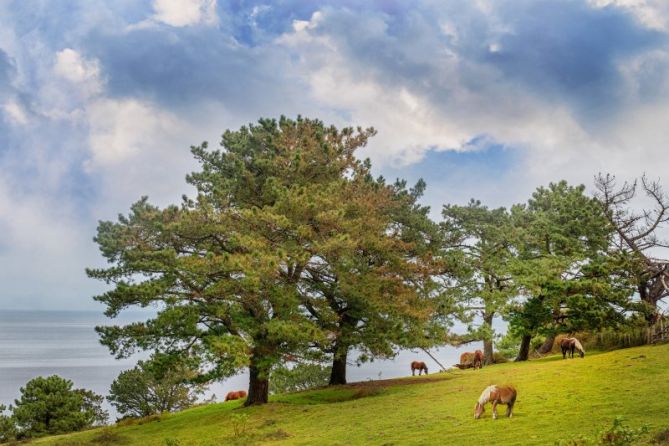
557, 399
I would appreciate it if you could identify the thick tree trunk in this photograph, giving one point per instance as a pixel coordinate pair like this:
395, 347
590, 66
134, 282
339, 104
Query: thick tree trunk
547, 346
258, 385
487, 343
338, 372
524, 352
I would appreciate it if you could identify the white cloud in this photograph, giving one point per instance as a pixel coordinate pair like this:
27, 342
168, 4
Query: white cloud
652, 13
15, 112
557, 139
72, 66
121, 129
185, 12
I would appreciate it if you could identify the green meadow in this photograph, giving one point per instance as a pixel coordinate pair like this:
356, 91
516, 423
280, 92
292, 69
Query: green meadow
557, 400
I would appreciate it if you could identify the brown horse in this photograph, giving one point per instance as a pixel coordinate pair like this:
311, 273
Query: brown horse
478, 359
568, 345
420, 366
235, 395
471, 359
496, 395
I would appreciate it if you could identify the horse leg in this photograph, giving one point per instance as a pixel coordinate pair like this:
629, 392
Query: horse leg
413, 372
509, 410
564, 353
494, 410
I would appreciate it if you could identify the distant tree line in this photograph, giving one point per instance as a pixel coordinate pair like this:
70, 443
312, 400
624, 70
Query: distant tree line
291, 255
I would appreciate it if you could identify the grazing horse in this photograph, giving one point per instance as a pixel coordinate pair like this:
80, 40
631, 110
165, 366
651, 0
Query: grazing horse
235, 395
568, 345
418, 365
471, 359
478, 359
496, 395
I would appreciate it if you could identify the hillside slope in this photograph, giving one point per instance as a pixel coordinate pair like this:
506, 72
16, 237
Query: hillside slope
557, 399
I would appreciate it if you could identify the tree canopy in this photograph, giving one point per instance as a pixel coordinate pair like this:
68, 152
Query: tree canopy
288, 238
571, 281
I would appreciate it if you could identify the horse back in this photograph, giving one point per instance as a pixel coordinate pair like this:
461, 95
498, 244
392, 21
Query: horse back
418, 365
505, 394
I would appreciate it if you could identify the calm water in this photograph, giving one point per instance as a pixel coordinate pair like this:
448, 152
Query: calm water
34, 343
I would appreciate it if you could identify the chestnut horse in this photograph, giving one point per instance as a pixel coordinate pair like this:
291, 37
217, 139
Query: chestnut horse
568, 345
471, 359
496, 395
235, 395
418, 365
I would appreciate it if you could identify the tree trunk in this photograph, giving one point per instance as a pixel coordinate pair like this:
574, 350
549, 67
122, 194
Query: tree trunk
524, 352
651, 292
258, 384
487, 343
547, 346
338, 372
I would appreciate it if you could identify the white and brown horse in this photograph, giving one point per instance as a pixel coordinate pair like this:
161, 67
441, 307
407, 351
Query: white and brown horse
568, 345
420, 366
496, 395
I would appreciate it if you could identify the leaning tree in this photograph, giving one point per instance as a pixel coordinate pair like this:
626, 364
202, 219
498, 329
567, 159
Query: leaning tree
639, 235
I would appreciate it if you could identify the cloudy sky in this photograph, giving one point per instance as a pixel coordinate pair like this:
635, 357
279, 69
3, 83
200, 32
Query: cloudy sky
100, 101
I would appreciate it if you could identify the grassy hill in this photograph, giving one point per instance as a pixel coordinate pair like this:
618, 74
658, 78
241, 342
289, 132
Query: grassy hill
557, 399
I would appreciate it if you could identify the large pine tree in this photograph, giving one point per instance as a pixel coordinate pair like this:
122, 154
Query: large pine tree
288, 239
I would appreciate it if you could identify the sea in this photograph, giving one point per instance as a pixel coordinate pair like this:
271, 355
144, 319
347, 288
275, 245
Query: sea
64, 343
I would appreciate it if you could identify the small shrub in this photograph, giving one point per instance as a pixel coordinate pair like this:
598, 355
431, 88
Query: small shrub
621, 435
617, 435
134, 421
108, 436
50, 406
239, 424
160, 384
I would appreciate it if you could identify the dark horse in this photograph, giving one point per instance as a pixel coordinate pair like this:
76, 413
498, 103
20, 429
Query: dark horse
568, 345
418, 365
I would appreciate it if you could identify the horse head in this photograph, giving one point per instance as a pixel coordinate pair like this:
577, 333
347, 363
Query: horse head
478, 411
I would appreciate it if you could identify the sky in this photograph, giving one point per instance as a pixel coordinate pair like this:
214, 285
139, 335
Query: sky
100, 102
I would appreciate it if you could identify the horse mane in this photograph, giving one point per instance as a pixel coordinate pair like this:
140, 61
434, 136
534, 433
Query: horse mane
485, 396
578, 345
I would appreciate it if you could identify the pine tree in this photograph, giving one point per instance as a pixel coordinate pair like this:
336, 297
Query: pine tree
483, 239
564, 267
235, 272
